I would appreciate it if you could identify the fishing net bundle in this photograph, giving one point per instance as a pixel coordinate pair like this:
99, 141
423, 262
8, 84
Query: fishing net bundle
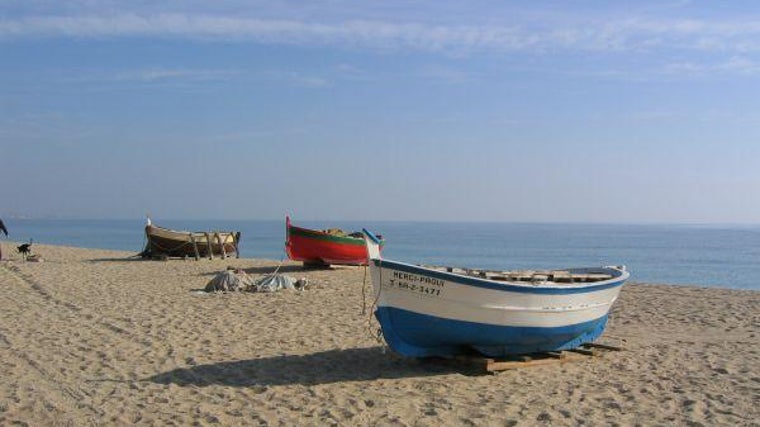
237, 281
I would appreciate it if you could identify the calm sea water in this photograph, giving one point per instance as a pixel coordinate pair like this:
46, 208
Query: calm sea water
716, 256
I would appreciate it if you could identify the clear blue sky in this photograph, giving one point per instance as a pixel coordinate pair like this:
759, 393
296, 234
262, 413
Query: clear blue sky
593, 111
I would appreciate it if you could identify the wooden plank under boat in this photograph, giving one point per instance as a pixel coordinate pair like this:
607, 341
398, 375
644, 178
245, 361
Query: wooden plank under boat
426, 311
164, 242
324, 247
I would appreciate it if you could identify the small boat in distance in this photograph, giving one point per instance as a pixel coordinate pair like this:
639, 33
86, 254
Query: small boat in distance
325, 247
163, 242
441, 311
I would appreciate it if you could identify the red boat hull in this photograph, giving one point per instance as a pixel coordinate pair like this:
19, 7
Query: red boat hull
318, 247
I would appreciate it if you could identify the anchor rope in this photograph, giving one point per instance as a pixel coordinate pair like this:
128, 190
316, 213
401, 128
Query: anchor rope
364, 292
377, 335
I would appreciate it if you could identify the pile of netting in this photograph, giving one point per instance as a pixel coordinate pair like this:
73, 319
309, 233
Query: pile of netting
340, 233
237, 280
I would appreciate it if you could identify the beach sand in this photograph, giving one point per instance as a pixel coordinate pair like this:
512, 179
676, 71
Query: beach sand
93, 337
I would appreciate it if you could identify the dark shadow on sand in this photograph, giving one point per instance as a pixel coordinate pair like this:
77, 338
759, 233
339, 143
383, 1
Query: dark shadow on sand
360, 364
255, 271
269, 269
286, 269
129, 258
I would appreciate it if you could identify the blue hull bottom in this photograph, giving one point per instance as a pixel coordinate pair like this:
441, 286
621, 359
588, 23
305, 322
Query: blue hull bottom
419, 335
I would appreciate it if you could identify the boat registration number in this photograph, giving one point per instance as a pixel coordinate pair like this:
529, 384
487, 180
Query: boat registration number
422, 285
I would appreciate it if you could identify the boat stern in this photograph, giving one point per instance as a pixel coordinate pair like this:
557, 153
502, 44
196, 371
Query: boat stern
373, 244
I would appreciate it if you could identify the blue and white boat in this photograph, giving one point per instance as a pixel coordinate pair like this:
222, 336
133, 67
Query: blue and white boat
428, 311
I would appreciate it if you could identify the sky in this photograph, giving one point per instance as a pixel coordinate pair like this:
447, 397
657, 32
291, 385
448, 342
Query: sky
543, 111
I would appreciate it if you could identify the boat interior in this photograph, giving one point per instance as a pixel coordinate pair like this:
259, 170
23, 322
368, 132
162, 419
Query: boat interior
530, 276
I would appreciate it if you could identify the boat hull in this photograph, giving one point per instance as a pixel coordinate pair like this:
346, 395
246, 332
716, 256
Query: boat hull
174, 243
317, 247
424, 312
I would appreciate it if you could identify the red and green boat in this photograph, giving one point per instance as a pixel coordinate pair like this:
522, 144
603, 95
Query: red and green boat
324, 247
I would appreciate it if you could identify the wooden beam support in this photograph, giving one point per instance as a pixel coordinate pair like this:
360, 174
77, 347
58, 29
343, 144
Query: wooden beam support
491, 365
604, 346
208, 244
218, 237
236, 242
195, 247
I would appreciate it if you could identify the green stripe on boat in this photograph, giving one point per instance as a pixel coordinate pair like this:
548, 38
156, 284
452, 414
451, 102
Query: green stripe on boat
296, 231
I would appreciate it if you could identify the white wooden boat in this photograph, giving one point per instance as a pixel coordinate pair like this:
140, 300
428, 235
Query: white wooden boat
425, 311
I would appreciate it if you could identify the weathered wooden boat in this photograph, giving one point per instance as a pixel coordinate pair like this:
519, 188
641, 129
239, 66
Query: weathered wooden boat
324, 247
439, 311
164, 242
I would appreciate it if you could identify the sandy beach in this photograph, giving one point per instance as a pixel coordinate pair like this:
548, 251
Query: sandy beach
94, 337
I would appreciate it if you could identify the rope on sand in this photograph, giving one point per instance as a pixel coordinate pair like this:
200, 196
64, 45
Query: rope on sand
378, 334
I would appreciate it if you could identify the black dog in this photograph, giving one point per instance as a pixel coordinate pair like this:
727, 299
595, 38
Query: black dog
25, 249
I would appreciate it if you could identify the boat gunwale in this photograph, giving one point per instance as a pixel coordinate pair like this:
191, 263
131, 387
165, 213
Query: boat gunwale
179, 233
507, 286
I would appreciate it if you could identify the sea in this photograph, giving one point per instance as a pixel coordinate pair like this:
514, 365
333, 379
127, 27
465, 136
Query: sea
724, 256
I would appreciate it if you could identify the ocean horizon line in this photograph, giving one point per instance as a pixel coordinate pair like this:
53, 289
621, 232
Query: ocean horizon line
401, 221
687, 253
